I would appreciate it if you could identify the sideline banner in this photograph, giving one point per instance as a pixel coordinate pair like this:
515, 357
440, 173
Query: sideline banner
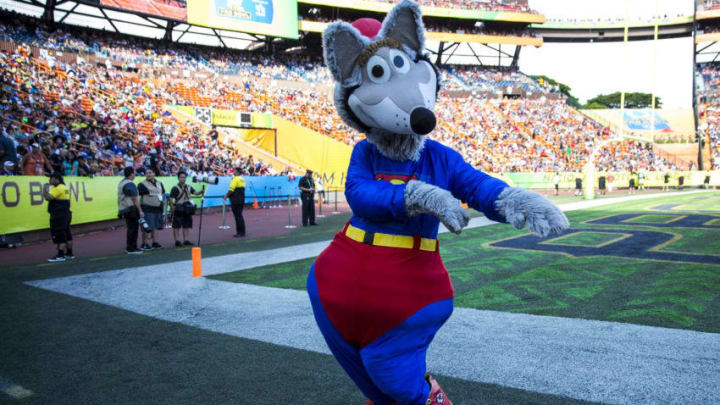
614, 180
265, 188
23, 207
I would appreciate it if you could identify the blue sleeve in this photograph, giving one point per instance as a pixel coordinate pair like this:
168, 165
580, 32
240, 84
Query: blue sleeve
474, 187
376, 200
130, 190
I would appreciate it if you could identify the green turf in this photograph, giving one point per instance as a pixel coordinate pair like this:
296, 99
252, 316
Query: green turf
584, 239
650, 292
72, 351
698, 241
654, 219
711, 203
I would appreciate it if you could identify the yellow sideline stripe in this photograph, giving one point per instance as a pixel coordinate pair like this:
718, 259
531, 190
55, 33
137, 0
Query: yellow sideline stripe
387, 240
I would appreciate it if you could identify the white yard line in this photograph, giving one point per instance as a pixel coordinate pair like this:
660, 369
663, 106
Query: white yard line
13, 390
588, 360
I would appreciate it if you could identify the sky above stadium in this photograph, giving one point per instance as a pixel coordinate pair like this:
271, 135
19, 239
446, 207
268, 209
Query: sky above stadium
600, 68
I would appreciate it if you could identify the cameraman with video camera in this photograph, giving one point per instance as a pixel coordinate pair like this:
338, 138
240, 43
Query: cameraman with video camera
129, 209
182, 208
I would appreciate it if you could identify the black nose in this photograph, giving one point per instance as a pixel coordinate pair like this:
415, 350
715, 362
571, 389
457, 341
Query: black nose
422, 121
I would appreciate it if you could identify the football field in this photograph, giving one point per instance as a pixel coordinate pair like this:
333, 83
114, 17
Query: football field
624, 307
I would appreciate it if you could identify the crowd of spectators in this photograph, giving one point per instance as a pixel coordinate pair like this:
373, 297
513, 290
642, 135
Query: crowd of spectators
706, 5
540, 135
479, 29
518, 6
708, 28
86, 120
709, 109
490, 79
463, 27
131, 52
105, 117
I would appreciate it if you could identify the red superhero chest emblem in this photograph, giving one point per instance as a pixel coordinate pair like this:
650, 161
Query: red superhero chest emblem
395, 178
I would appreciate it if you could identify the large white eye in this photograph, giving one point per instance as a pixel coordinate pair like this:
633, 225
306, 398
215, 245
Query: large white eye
378, 70
400, 61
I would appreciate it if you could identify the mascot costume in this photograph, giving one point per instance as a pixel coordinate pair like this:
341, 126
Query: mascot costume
380, 291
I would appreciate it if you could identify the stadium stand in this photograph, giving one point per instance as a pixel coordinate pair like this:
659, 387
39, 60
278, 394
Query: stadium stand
709, 109
707, 5
516, 6
489, 79
91, 131
101, 111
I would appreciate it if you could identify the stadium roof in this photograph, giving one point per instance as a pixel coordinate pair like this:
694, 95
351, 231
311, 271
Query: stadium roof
90, 14
447, 48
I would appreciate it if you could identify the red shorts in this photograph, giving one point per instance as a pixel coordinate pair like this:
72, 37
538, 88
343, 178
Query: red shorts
367, 290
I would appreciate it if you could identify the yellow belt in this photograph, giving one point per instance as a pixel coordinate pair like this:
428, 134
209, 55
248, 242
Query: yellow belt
387, 240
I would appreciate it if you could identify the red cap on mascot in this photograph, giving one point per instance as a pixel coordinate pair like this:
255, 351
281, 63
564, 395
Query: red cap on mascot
369, 27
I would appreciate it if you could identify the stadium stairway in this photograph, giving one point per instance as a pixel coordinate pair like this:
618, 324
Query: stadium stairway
680, 154
277, 163
683, 152
459, 80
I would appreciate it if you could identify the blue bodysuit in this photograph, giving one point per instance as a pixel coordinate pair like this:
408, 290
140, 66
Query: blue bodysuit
379, 304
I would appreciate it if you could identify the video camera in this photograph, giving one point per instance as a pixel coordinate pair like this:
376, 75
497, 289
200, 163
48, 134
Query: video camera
144, 225
208, 178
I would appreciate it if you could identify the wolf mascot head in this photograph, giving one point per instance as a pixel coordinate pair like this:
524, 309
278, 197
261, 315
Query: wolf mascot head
386, 86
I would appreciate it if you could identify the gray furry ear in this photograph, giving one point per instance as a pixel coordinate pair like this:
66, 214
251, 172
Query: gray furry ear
404, 24
342, 44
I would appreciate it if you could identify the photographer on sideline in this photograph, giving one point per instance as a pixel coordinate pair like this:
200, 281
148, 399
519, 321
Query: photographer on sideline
182, 208
129, 208
152, 195
58, 198
236, 194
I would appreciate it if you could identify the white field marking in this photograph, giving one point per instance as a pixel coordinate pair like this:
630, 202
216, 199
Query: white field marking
588, 360
14, 390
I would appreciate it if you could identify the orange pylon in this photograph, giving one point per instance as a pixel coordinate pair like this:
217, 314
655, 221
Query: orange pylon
197, 262
255, 204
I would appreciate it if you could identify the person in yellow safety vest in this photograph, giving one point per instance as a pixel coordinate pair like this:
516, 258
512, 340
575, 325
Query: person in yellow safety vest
236, 194
58, 198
